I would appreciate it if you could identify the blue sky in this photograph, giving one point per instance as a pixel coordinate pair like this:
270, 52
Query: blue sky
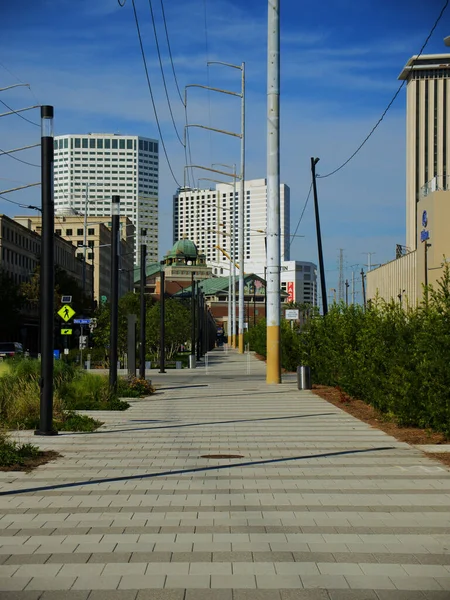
340, 62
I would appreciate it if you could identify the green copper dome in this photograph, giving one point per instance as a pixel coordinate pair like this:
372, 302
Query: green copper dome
183, 249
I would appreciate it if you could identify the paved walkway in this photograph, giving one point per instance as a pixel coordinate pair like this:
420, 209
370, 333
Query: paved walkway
316, 506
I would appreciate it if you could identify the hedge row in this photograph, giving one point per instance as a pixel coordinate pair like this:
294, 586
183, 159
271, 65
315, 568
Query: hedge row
397, 359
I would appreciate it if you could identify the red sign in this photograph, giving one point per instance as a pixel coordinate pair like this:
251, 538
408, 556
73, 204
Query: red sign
290, 288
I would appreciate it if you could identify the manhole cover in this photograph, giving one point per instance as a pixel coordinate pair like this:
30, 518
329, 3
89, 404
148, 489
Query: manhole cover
222, 456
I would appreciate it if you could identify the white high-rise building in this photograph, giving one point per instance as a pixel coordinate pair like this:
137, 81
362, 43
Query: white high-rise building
299, 281
90, 169
206, 217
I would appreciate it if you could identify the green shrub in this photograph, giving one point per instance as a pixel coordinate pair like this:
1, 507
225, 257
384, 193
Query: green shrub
13, 453
134, 387
75, 422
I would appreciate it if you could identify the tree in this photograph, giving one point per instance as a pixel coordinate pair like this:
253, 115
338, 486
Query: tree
177, 327
64, 284
129, 304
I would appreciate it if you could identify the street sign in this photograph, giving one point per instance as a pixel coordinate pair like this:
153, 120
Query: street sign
66, 350
82, 321
83, 341
291, 314
66, 312
66, 299
66, 332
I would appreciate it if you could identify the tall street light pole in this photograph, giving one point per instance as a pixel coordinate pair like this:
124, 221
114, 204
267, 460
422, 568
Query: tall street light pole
114, 325
241, 217
314, 162
273, 371
47, 282
143, 311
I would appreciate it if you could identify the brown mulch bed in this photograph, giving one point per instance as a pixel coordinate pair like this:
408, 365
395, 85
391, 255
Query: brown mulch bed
368, 414
31, 463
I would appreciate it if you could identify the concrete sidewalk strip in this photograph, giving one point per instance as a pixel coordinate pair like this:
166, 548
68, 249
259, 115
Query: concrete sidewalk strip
316, 505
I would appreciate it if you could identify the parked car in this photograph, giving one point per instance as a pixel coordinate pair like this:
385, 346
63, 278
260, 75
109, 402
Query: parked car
10, 350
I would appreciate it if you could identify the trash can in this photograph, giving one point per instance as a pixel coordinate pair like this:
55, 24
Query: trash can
192, 361
304, 377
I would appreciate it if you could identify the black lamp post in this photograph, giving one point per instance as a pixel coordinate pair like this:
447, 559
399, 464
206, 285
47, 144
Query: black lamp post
114, 323
162, 356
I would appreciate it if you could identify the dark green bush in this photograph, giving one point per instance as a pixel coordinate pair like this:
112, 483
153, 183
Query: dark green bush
393, 358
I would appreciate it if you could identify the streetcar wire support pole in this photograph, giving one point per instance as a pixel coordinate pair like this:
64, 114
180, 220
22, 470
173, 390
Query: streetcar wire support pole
241, 234
143, 315
233, 271
47, 282
114, 322
273, 371
162, 300
314, 162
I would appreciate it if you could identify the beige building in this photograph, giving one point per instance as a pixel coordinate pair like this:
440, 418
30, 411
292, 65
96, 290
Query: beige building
70, 228
427, 132
403, 279
20, 251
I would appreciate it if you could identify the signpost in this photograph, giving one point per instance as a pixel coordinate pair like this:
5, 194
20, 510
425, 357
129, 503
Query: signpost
291, 314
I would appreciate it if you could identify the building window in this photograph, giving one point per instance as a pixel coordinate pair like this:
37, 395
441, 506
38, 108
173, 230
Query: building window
122, 144
79, 232
114, 144
91, 231
68, 232
58, 231
91, 143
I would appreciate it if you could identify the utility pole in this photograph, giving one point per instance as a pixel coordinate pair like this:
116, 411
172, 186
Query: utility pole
143, 308
314, 162
114, 325
363, 285
47, 282
192, 355
341, 274
233, 266
273, 371
241, 213
369, 260
353, 287
346, 292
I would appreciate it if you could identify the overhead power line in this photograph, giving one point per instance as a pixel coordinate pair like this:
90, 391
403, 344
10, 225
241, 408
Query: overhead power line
301, 216
20, 115
162, 72
19, 204
151, 92
390, 103
8, 153
170, 51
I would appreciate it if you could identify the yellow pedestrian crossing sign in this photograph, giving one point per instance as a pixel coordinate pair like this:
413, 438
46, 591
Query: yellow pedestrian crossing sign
66, 312
66, 332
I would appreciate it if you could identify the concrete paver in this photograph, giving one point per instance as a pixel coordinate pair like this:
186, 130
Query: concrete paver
319, 507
